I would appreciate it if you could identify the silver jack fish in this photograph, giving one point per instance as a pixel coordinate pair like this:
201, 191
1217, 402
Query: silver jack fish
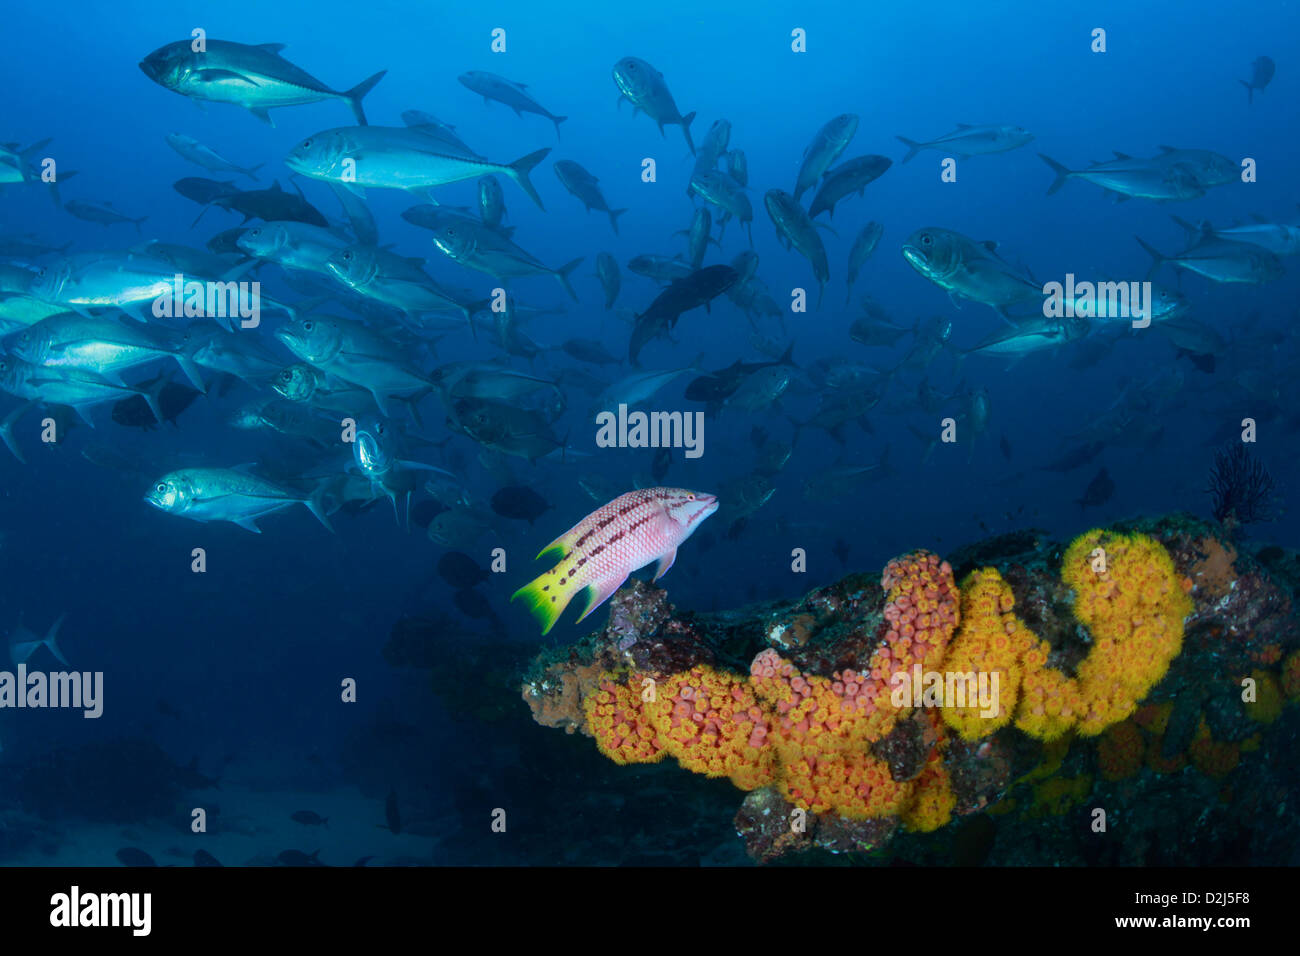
967, 141
254, 77
643, 86
398, 157
493, 87
227, 494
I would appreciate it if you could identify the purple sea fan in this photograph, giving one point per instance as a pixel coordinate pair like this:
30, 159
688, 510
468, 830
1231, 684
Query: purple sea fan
1240, 488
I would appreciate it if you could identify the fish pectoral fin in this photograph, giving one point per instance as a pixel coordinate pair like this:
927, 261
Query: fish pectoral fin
220, 76
265, 117
664, 564
598, 593
248, 524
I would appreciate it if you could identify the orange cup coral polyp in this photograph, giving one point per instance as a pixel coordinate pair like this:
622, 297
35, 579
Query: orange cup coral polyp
810, 736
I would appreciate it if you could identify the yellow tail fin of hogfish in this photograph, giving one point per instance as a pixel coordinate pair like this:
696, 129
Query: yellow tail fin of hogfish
548, 594
545, 596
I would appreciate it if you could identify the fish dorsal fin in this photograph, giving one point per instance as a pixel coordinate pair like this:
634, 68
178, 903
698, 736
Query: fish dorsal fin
990, 244
271, 47
559, 548
964, 126
1168, 149
276, 187
1119, 155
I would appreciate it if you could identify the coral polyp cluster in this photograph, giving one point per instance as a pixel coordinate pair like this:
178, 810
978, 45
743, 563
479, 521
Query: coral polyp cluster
623, 731
867, 710
1128, 596
809, 735
710, 721
822, 730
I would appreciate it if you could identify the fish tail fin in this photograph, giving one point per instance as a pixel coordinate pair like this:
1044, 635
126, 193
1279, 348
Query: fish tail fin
1062, 173
913, 147
412, 403
546, 598
152, 394
1250, 92
686, 130
251, 171
7, 431
613, 218
1157, 259
355, 95
191, 370
519, 170
316, 502
54, 187
137, 224
557, 120
562, 274
31, 152
52, 639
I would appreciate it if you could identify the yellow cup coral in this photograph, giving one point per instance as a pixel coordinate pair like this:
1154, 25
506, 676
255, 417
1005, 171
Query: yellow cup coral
1129, 596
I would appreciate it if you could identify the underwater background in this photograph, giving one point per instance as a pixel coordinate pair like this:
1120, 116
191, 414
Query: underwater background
234, 675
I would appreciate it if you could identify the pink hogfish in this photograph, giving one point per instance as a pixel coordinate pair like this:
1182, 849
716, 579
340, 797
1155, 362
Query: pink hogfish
601, 550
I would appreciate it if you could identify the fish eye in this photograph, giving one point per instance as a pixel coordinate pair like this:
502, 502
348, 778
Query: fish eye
691, 496
379, 428
306, 144
926, 239
308, 326
160, 487
347, 256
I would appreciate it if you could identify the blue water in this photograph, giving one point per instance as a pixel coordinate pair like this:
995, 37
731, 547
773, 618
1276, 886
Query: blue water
251, 654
